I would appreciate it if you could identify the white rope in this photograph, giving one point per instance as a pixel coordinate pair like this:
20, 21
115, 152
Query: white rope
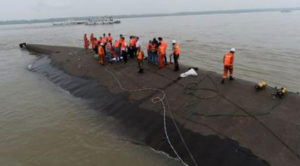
161, 100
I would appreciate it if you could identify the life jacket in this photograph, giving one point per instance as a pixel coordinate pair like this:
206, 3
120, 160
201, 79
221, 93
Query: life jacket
139, 55
148, 46
92, 37
161, 50
116, 44
109, 38
123, 45
103, 40
228, 59
100, 50
132, 42
164, 44
176, 49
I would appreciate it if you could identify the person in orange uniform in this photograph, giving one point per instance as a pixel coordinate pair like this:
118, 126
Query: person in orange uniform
109, 38
92, 40
161, 54
164, 44
228, 60
86, 41
117, 50
132, 46
123, 46
104, 38
175, 53
101, 53
140, 59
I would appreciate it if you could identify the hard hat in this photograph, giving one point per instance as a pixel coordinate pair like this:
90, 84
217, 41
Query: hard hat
232, 49
173, 41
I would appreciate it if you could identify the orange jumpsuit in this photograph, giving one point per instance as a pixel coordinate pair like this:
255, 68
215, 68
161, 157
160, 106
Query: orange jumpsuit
228, 60
86, 42
161, 55
101, 55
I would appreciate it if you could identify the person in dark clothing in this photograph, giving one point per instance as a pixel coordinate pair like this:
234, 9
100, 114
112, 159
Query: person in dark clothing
154, 49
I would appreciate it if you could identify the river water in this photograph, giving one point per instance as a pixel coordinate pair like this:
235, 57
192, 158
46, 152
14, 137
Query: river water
41, 124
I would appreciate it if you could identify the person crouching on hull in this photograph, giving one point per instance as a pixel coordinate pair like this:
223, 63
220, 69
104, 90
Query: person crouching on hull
140, 59
228, 60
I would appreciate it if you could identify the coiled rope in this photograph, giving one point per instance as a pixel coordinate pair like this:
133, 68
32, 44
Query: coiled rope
162, 101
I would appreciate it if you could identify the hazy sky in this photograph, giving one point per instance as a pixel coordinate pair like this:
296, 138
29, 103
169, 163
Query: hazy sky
28, 9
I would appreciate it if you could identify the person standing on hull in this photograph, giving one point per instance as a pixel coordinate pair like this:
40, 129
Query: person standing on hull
96, 43
108, 49
86, 41
175, 53
123, 49
164, 44
137, 45
140, 59
154, 48
92, 40
117, 50
228, 60
109, 38
101, 53
149, 51
161, 53
131, 48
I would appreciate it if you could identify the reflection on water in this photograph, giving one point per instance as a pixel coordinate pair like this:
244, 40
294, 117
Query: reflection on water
43, 125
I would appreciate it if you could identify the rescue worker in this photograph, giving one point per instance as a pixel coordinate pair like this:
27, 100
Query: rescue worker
108, 49
131, 48
86, 41
138, 43
96, 45
228, 60
164, 44
149, 52
175, 54
140, 59
101, 53
104, 38
92, 40
123, 47
117, 50
161, 53
153, 49
109, 38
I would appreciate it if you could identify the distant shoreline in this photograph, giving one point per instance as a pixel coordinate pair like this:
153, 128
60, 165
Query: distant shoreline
233, 11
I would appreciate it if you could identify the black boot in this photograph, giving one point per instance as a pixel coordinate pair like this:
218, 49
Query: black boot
231, 78
223, 81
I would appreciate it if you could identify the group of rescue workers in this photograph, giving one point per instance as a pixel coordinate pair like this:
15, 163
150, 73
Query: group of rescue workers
119, 50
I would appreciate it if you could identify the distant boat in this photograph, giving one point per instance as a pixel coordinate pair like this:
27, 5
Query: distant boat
69, 22
102, 21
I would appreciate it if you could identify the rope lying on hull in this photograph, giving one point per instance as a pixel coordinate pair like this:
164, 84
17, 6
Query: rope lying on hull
162, 101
